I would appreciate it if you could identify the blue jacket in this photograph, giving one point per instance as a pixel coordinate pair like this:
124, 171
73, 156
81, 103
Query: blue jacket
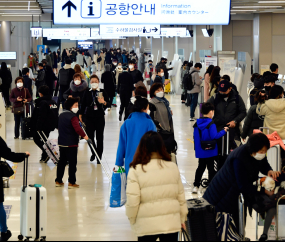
131, 133
125, 59
207, 135
237, 176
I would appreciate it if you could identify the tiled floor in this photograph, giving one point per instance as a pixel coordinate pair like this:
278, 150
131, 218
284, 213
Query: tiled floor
84, 214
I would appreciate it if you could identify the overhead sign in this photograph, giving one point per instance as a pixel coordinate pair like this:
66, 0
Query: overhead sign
95, 32
173, 32
182, 12
130, 30
59, 33
37, 32
8, 55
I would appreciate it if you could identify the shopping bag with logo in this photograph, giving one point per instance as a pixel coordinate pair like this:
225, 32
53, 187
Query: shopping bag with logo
118, 196
227, 231
52, 149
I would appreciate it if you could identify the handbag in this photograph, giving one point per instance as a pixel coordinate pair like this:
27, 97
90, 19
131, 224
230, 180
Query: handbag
99, 59
226, 228
184, 235
20, 110
6, 170
118, 194
168, 138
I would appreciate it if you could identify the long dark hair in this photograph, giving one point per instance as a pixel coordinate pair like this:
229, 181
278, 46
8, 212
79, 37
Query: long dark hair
210, 70
4, 66
275, 92
215, 82
215, 72
151, 142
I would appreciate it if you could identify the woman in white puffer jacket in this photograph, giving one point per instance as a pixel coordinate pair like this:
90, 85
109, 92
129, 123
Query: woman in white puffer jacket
156, 205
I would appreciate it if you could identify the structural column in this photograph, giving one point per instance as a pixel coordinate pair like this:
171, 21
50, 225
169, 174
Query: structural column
5, 36
176, 44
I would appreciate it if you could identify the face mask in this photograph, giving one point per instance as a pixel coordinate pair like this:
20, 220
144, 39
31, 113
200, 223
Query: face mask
114, 64
268, 88
20, 84
222, 95
75, 110
162, 74
131, 67
77, 83
94, 85
160, 94
148, 112
150, 65
259, 156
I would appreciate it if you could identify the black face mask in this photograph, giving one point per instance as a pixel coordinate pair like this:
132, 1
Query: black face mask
268, 88
222, 95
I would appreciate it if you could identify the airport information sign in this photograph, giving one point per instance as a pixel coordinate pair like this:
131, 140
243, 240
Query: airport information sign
130, 30
67, 33
165, 12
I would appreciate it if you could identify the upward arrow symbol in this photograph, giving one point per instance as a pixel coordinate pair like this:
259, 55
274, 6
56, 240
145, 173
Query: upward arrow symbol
69, 5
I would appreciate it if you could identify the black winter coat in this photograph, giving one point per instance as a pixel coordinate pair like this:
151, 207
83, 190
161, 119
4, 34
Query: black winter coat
6, 77
6, 153
50, 78
109, 81
87, 104
76, 91
137, 76
227, 111
224, 190
108, 58
45, 115
125, 84
252, 121
28, 84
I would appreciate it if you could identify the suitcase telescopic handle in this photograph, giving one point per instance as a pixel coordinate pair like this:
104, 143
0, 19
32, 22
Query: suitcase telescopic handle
262, 128
25, 176
228, 144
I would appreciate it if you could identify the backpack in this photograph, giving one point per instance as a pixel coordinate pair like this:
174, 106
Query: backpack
188, 81
63, 77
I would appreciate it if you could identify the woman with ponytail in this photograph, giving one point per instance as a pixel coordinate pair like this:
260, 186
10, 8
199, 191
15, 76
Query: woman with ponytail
133, 129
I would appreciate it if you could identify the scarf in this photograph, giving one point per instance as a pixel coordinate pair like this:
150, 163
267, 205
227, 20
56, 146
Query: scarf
166, 103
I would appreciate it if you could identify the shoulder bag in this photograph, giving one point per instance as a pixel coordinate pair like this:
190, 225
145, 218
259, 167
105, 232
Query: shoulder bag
6, 170
207, 145
20, 110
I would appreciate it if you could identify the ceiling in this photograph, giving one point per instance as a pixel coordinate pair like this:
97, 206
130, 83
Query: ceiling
12, 8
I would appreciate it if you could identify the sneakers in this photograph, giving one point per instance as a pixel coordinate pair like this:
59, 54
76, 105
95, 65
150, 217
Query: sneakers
93, 157
195, 190
44, 159
72, 186
263, 237
57, 184
192, 119
6, 236
109, 109
16, 137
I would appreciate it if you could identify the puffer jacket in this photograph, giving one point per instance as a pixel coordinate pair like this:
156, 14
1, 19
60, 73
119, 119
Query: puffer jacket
252, 121
274, 112
196, 81
76, 91
227, 111
155, 199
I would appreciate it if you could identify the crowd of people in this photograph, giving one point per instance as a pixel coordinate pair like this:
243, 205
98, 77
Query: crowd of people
156, 205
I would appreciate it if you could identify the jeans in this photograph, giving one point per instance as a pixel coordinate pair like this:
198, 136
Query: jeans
18, 118
194, 102
97, 125
3, 219
39, 142
63, 89
188, 101
161, 237
67, 154
203, 163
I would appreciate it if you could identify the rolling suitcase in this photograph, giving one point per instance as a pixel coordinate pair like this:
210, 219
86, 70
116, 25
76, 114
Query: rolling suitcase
201, 220
26, 124
33, 210
167, 88
51, 147
55, 98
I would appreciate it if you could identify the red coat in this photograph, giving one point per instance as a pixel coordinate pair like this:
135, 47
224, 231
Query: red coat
15, 93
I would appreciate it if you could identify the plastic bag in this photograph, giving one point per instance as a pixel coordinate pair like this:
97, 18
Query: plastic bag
118, 196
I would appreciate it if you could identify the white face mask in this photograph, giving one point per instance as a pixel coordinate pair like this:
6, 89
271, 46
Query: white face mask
120, 66
131, 67
20, 84
259, 156
114, 64
94, 85
77, 83
75, 110
160, 94
162, 74
148, 112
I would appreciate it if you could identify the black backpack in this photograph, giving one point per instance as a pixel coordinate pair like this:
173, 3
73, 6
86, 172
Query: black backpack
63, 77
188, 82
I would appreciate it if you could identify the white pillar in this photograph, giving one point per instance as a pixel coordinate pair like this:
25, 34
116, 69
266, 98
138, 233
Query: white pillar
5, 36
194, 44
176, 44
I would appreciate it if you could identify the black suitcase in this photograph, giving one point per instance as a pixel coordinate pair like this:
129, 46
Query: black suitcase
201, 220
26, 125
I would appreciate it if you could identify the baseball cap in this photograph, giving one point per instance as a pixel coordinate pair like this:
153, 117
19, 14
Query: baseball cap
224, 86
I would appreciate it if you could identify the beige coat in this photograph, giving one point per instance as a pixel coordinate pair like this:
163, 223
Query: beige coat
155, 199
274, 111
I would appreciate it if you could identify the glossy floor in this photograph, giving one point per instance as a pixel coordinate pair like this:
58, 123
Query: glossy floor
84, 214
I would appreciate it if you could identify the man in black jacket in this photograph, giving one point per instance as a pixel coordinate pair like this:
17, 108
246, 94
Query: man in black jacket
40, 80
44, 118
28, 83
125, 89
50, 77
230, 110
136, 74
65, 77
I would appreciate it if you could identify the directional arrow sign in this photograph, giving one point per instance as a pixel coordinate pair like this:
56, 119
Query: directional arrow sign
69, 5
155, 29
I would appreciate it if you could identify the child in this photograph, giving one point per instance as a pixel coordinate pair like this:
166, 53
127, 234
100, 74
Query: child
206, 130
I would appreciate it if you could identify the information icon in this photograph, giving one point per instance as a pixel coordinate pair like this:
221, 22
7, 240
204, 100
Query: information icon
91, 8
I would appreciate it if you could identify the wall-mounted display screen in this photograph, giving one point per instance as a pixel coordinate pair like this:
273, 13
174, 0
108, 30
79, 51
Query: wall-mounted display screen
85, 45
8, 55
181, 12
59, 33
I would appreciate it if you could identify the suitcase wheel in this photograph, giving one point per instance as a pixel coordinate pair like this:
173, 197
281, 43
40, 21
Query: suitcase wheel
20, 237
205, 183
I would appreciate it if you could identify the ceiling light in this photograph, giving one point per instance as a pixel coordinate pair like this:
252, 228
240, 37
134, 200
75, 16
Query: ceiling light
271, 2
257, 7
253, 10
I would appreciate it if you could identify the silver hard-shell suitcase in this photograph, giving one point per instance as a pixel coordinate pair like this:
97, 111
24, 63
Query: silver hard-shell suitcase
33, 210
